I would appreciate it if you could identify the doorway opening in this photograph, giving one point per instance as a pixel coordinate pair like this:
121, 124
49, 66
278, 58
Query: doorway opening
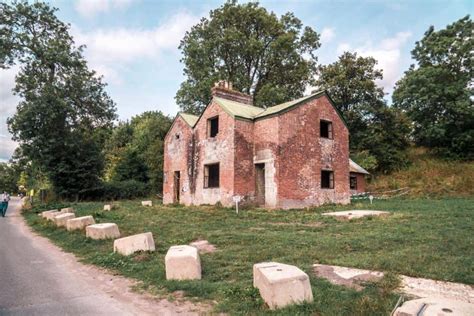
177, 186
260, 183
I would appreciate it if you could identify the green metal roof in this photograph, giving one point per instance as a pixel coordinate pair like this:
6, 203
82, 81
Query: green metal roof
237, 109
189, 118
287, 105
250, 112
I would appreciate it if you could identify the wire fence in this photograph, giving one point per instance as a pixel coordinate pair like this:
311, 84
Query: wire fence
381, 195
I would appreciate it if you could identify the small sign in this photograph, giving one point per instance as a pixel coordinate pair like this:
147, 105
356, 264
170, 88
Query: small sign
237, 198
371, 198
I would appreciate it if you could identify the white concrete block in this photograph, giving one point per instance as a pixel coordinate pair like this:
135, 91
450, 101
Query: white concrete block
183, 263
61, 219
435, 306
47, 213
107, 207
102, 231
128, 245
52, 215
147, 203
79, 222
281, 284
68, 210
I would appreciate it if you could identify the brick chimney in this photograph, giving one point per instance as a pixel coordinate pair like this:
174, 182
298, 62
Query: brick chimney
223, 89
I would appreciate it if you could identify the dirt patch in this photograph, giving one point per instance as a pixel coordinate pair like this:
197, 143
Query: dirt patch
417, 287
203, 246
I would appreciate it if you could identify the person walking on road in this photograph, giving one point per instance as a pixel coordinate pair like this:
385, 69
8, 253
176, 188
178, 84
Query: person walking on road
4, 199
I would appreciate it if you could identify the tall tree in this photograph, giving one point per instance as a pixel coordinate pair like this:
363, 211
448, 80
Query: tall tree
271, 58
64, 112
135, 149
378, 133
437, 94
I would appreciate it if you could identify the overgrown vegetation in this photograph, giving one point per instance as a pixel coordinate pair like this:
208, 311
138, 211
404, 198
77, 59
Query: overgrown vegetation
423, 238
429, 176
437, 93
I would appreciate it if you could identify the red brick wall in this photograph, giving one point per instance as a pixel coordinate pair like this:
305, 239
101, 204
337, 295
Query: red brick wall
289, 145
267, 151
244, 173
303, 153
360, 183
177, 153
212, 150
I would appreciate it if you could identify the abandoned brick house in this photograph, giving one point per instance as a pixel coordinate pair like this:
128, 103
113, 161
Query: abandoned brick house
290, 155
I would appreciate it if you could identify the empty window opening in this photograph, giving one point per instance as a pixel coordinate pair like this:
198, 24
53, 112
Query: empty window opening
213, 126
211, 176
177, 136
325, 128
327, 179
353, 182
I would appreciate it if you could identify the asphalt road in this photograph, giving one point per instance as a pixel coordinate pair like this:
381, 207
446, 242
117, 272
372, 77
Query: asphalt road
35, 281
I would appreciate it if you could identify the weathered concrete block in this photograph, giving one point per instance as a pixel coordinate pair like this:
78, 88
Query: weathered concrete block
102, 231
128, 245
281, 284
46, 213
183, 263
79, 222
107, 207
52, 215
435, 306
61, 219
68, 210
147, 203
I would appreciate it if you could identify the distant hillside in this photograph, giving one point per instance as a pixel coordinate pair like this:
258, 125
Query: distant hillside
429, 176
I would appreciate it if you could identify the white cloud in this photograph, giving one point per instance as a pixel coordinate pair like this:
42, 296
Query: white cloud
327, 34
90, 8
387, 53
109, 50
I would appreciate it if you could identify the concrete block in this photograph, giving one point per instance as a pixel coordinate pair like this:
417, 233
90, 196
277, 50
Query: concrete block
183, 263
52, 215
103, 231
68, 210
147, 203
79, 222
281, 284
47, 213
107, 207
435, 306
61, 219
128, 245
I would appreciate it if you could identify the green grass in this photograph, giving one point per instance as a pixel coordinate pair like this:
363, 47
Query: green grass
422, 238
429, 176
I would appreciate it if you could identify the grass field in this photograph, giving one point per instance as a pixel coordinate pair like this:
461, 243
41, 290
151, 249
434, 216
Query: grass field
423, 238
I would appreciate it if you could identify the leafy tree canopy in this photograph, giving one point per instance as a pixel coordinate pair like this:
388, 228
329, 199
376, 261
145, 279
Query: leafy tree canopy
437, 94
378, 133
135, 149
271, 58
64, 112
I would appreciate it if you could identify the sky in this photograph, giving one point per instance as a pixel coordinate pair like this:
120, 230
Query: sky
134, 43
